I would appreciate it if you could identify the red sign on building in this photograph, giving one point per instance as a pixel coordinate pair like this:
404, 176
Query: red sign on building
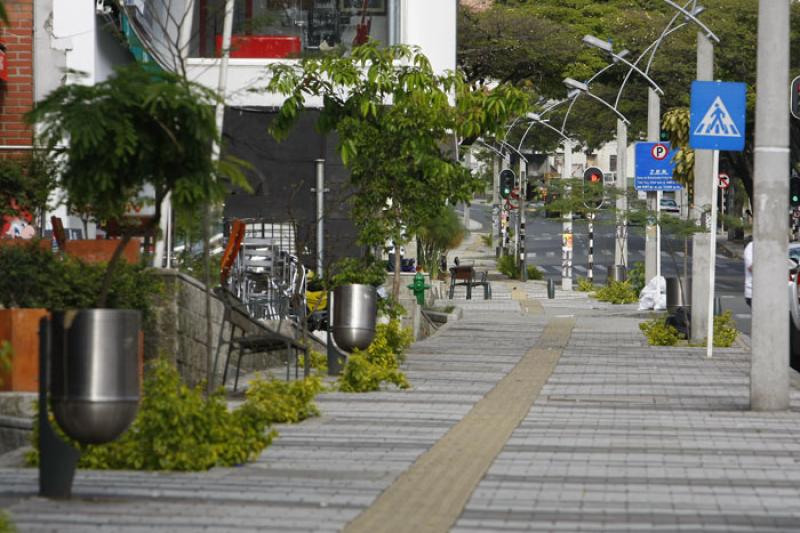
3, 63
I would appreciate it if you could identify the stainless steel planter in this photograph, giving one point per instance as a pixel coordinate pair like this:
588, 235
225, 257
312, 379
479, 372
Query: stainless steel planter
678, 294
94, 385
355, 311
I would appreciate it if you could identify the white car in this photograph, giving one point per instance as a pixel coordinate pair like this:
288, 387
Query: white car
669, 205
794, 283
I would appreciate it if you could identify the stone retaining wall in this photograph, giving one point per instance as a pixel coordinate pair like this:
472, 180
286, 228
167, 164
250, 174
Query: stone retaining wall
177, 330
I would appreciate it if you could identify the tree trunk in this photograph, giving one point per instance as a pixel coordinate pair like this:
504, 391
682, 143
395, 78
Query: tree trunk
108, 277
396, 279
207, 282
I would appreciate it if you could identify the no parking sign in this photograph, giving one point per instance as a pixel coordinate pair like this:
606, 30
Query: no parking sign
654, 168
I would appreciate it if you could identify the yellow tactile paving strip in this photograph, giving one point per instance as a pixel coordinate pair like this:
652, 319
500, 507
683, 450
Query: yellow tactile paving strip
430, 496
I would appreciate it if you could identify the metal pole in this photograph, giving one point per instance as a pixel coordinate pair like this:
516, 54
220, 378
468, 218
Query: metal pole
523, 185
590, 272
659, 195
320, 190
219, 116
566, 225
712, 256
703, 162
621, 241
170, 229
769, 371
651, 250
496, 202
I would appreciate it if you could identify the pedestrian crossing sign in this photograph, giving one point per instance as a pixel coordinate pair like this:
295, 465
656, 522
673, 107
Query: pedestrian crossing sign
717, 115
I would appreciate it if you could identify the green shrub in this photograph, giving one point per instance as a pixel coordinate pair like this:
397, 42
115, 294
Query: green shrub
6, 525
317, 361
585, 285
284, 401
391, 307
725, 331
507, 265
6, 353
617, 292
487, 239
659, 333
358, 271
636, 277
36, 277
535, 273
177, 428
366, 370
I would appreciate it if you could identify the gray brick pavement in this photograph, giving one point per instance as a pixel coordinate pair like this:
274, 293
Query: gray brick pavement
626, 437
623, 437
318, 475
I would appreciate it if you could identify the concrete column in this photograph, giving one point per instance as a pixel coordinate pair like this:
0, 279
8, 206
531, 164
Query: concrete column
523, 184
703, 193
621, 241
769, 370
566, 227
651, 250
496, 180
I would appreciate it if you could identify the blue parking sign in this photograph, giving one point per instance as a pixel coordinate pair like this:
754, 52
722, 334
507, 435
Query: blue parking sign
717, 115
654, 168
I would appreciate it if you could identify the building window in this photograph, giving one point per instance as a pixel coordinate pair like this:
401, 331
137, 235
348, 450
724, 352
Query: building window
612, 163
291, 28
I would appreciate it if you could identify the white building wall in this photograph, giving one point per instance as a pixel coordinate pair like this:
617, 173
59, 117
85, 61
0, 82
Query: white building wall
74, 27
429, 24
68, 35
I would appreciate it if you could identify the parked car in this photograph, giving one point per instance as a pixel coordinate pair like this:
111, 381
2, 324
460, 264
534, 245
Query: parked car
794, 305
669, 205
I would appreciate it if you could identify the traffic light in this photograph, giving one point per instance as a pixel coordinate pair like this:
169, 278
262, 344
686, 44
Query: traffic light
593, 187
506, 182
794, 192
794, 97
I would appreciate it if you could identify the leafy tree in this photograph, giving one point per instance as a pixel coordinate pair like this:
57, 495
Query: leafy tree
26, 184
633, 25
134, 129
398, 131
435, 236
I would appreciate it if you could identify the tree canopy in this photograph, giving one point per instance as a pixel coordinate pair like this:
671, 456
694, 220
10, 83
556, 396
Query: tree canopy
537, 44
108, 141
399, 126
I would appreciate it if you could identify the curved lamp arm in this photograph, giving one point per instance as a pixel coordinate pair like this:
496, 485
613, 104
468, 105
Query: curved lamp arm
653, 46
689, 15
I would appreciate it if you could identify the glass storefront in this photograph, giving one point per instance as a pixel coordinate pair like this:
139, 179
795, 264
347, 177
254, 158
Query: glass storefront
290, 28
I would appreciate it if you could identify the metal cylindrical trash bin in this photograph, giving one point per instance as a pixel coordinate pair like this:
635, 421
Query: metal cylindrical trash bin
355, 313
551, 289
94, 384
677, 293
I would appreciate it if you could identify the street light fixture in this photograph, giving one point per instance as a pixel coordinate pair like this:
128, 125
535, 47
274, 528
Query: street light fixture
692, 15
584, 88
606, 46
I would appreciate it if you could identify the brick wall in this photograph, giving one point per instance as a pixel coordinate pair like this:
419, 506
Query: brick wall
16, 96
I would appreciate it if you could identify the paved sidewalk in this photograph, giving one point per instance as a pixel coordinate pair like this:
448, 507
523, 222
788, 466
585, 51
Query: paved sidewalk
621, 436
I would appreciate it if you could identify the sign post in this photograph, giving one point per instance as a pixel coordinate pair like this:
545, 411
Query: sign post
654, 169
717, 123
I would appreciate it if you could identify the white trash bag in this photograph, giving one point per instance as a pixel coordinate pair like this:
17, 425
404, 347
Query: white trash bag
654, 295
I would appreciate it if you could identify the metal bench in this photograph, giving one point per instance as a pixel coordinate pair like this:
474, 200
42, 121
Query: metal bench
466, 276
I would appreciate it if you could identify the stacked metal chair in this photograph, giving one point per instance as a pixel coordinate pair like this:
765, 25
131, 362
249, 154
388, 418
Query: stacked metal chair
268, 282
